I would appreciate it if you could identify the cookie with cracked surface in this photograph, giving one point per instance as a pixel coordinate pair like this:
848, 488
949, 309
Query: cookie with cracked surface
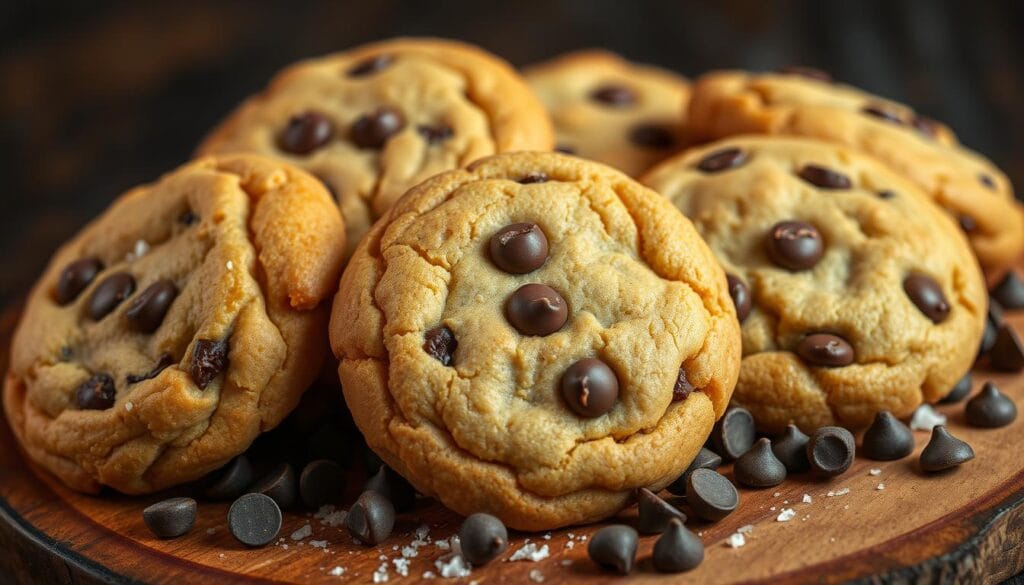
860, 295
535, 337
373, 121
181, 323
968, 186
604, 108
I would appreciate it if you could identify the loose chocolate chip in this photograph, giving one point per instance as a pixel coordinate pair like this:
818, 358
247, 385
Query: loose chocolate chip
280, 485
254, 519
651, 136
995, 311
705, 459
820, 176
482, 538
926, 126
677, 550
987, 180
170, 518
188, 217
959, 391
321, 482
944, 451
536, 309
435, 134
795, 245
305, 133
613, 95
1006, 353
758, 467
371, 519
967, 223
533, 177
740, 296
1010, 291
993, 321
162, 363
722, 160
734, 434
96, 393
590, 388
109, 293
883, 113
990, 409
519, 248
75, 278
825, 350
147, 311
926, 294
374, 129
887, 439
654, 513
791, 449
371, 65
395, 487
808, 72
209, 359
710, 495
682, 388
231, 480
886, 194
565, 149
440, 344
614, 548
830, 450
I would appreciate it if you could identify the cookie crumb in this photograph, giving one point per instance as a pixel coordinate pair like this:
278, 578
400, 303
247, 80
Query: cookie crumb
736, 540
530, 552
786, 515
926, 418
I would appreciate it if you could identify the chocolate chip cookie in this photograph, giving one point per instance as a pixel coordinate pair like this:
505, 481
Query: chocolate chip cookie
377, 119
604, 108
855, 292
965, 184
534, 337
172, 330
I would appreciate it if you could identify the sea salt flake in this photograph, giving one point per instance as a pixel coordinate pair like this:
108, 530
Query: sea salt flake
305, 532
570, 544
530, 552
875, 472
566, 562
807, 499
547, 536
776, 494
381, 574
786, 515
926, 418
140, 249
536, 576
736, 540
318, 543
839, 492
231, 266
443, 544
428, 575
409, 552
211, 531
880, 487
336, 571
401, 566
451, 566
128, 406
745, 529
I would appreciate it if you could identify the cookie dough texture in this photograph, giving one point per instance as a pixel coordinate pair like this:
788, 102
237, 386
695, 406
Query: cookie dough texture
602, 131
965, 184
437, 86
491, 433
254, 263
872, 241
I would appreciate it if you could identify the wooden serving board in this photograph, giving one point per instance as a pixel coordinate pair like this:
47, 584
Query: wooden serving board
963, 526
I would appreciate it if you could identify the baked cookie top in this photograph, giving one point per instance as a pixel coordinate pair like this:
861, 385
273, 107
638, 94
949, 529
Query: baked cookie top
540, 328
181, 323
377, 119
607, 109
964, 183
856, 293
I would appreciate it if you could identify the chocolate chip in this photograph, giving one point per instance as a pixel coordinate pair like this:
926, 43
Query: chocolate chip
987, 180
1006, 353
886, 194
482, 538
820, 176
734, 434
371, 65
109, 293
321, 482
791, 449
371, 519
1009, 291
740, 296
944, 451
96, 393
147, 311
75, 278
435, 134
652, 136
926, 126
825, 350
926, 294
305, 133
170, 518
967, 223
590, 388
705, 459
710, 495
565, 149
188, 217
395, 487
254, 519
677, 550
959, 391
231, 480
209, 359
614, 548
682, 388
279, 485
536, 309
992, 324
519, 248
533, 177
374, 129
758, 467
722, 160
162, 363
887, 439
440, 344
830, 450
654, 513
808, 72
66, 353
613, 95
883, 113
990, 409
795, 245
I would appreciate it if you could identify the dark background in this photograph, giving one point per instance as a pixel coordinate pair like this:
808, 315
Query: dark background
98, 96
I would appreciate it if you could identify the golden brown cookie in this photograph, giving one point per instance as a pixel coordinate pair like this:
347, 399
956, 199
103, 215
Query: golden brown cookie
604, 108
176, 327
377, 119
966, 184
535, 337
856, 293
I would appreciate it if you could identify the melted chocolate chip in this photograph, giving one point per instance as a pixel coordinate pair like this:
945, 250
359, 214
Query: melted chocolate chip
147, 311
162, 363
590, 388
76, 277
682, 388
967, 223
96, 393
435, 134
109, 293
926, 294
795, 245
519, 248
534, 177
440, 344
305, 133
652, 136
987, 180
826, 350
371, 65
613, 95
740, 296
808, 72
722, 160
883, 113
482, 537
825, 178
886, 194
209, 360
536, 309
373, 130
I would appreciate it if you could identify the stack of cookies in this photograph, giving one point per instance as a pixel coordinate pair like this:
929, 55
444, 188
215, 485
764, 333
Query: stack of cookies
542, 292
